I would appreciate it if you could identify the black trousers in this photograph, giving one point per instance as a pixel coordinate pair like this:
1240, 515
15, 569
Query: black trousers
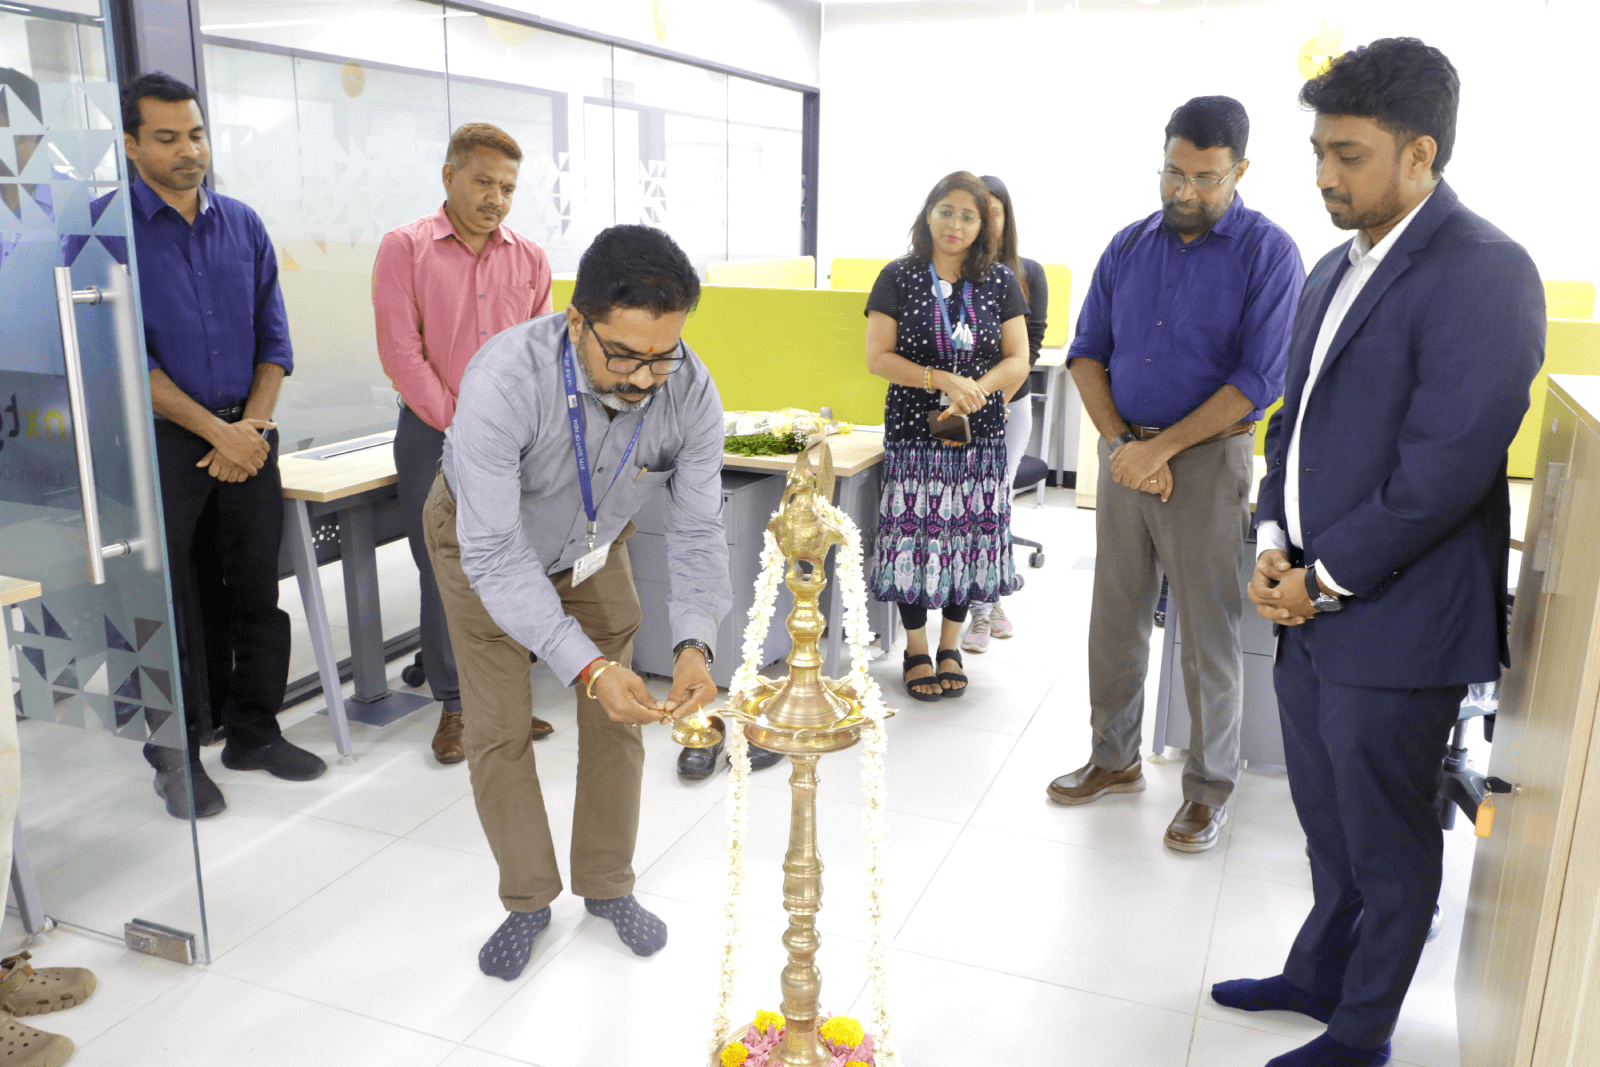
222, 560
417, 448
915, 616
1363, 770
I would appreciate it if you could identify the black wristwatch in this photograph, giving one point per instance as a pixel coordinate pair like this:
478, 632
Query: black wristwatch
1323, 602
1126, 439
705, 649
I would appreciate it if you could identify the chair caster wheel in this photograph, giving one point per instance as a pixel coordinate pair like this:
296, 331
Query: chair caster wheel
1036, 559
412, 673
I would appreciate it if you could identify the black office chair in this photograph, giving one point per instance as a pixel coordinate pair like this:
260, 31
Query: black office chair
1030, 475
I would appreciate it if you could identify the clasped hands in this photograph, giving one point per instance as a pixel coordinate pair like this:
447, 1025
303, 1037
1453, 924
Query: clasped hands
624, 698
1142, 465
239, 450
1279, 591
965, 394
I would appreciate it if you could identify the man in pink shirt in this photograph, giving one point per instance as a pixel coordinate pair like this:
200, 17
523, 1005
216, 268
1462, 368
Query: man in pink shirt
441, 287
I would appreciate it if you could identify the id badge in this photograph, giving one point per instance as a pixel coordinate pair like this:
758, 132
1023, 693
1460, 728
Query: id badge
589, 563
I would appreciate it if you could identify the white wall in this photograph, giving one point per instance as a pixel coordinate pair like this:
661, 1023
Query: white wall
1070, 109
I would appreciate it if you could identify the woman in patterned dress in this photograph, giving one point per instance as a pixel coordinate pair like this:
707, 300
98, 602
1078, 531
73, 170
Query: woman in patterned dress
947, 326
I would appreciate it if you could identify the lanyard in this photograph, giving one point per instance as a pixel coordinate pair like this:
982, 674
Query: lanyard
947, 338
580, 450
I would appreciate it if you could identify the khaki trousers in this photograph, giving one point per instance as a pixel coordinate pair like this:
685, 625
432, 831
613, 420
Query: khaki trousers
1196, 537
497, 713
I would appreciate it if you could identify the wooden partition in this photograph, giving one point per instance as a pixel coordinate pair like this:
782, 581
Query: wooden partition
777, 348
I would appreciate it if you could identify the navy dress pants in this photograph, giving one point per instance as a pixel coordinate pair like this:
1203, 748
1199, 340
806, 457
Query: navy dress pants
1364, 768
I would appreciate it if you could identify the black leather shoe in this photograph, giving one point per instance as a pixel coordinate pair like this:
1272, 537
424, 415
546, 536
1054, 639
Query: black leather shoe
697, 763
762, 758
281, 759
208, 798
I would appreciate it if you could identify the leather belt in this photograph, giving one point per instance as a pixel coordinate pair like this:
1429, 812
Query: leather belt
231, 413
1145, 433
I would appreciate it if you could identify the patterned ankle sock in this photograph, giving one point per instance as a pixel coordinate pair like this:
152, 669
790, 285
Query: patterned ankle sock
638, 928
508, 948
1326, 1052
1272, 994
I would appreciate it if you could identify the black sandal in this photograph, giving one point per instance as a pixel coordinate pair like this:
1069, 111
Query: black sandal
952, 676
919, 661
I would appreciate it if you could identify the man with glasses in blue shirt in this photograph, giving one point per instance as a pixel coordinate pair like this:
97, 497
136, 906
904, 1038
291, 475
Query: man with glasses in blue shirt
1180, 347
218, 345
564, 426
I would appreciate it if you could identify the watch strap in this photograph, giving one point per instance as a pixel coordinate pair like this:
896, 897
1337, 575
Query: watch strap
693, 642
1313, 590
1127, 438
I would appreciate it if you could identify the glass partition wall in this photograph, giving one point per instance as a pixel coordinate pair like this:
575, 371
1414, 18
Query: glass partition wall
331, 120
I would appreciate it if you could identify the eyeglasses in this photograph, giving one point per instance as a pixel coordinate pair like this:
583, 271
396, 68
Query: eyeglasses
1171, 179
945, 214
630, 364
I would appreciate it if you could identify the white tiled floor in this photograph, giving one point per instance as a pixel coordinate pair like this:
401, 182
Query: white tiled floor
345, 914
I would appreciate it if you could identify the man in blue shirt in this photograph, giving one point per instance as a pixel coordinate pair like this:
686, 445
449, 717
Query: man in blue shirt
1180, 347
218, 346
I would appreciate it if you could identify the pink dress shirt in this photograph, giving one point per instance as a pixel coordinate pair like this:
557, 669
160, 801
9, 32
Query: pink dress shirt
436, 304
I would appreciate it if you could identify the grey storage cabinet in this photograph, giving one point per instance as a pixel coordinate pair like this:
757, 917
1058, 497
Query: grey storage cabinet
1260, 733
748, 501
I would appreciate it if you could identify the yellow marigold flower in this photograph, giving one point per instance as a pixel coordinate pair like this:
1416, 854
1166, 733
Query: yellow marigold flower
735, 1055
768, 1020
843, 1030
856, 1063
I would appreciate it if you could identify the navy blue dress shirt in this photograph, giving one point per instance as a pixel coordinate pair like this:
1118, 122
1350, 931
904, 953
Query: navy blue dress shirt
212, 307
1175, 322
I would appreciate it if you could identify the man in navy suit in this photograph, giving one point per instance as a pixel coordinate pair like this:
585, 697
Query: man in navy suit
1384, 530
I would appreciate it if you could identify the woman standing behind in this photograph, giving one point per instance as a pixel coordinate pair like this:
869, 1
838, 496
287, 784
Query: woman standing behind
990, 619
945, 326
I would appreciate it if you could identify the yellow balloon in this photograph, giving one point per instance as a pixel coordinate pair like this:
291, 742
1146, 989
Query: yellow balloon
1314, 58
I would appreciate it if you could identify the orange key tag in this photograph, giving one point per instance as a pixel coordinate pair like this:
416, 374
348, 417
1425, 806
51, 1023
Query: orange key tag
1484, 825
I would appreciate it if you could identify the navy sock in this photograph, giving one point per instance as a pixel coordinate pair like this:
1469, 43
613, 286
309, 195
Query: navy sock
638, 928
508, 948
1272, 994
1326, 1052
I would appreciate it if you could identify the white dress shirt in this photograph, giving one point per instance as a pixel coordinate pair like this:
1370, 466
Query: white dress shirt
1364, 260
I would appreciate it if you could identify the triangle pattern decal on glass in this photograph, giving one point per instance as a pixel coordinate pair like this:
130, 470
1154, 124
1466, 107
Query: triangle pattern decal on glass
114, 638
143, 630
51, 627
68, 678
166, 732
28, 625
97, 678
98, 206
69, 709
130, 687
35, 657
125, 713
162, 680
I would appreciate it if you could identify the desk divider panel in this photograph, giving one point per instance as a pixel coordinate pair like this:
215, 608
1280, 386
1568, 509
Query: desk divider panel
778, 348
1572, 346
1569, 300
794, 272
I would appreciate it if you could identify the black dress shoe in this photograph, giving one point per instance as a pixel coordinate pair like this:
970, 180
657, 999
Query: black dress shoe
208, 798
697, 763
281, 759
762, 758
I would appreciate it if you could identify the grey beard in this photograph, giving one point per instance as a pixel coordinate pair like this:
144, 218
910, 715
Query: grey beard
617, 403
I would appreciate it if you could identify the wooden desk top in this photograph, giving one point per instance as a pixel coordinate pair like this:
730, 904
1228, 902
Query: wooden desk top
853, 453
16, 590
324, 480
1051, 357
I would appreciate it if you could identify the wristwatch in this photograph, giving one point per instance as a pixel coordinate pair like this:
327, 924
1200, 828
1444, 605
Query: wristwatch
705, 649
1323, 602
1126, 439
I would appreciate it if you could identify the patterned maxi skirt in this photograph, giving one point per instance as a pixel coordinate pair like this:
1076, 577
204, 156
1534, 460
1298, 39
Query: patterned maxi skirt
944, 525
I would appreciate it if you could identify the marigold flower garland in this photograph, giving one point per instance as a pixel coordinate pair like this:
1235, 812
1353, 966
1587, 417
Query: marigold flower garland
850, 573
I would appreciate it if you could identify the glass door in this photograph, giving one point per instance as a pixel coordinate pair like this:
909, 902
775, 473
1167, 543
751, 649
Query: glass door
94, 657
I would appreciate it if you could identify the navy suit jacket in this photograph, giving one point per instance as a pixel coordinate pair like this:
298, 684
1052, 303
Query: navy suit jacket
1403, 449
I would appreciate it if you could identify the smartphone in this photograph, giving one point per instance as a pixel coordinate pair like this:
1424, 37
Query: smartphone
947, 427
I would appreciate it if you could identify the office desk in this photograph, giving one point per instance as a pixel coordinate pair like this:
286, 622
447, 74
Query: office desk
1053, 440
350, 486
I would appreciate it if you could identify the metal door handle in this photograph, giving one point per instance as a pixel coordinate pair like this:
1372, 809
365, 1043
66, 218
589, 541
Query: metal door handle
117, 296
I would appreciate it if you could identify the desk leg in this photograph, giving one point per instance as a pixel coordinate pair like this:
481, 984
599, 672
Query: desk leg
1169, 678
298, 522
25, 887
372, 701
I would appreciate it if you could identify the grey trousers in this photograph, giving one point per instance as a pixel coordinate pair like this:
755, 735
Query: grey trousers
1196, 537
417, 448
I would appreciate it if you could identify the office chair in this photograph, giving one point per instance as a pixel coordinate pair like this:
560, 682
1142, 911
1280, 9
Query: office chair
1030, 475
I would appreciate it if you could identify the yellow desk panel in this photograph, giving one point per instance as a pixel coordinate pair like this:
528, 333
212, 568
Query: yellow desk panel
797, 272
1569, 300
857, 274
1059, 321
782, 348
1572, 346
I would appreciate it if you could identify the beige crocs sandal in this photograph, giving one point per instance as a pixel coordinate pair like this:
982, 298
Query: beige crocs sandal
23, 1046
25, 991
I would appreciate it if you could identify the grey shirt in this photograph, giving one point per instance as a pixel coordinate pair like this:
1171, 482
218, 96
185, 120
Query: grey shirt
509, 460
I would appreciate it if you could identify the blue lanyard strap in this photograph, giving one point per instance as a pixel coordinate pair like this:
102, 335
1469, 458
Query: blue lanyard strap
944, 312
580, 450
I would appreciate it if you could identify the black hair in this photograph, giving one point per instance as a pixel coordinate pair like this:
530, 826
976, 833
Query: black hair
634, 266
1005, 242
980, 256
1409, 88
1211, 122
157, 84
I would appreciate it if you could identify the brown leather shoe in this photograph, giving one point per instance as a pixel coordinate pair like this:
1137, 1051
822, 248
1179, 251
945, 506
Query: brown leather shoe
1195, 827
1091, 783
447, 747
541, 728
